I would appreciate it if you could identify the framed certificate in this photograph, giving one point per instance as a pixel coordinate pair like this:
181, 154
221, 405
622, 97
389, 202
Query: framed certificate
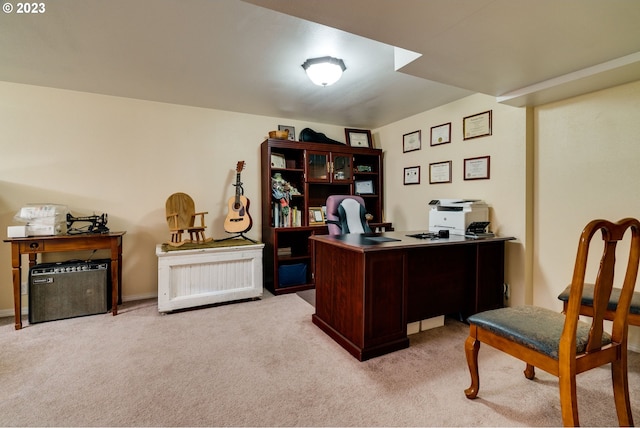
411, 141
278, 160
412, 175
440, 172
364, 187
477, 168
441, 134
477, 125
358, 137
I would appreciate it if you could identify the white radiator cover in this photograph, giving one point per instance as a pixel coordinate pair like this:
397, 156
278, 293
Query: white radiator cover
190, 278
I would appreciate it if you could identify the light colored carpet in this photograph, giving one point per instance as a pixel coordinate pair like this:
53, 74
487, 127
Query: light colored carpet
263, 363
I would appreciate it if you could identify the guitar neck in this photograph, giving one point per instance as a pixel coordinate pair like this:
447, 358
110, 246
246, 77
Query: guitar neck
238, 186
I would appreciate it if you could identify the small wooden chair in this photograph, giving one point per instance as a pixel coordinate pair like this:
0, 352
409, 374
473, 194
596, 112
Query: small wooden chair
561, 344
181, 218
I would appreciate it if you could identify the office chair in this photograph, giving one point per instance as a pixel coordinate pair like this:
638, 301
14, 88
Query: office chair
560, 343
346, 214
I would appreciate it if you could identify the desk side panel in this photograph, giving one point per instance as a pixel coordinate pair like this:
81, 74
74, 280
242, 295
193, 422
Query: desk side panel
360, 299
339, 278
386, 292
490, 277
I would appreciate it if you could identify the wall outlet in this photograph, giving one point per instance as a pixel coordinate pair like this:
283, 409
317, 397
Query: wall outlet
24, 288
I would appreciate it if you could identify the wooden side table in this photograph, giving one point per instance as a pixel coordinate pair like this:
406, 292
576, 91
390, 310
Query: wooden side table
60, 243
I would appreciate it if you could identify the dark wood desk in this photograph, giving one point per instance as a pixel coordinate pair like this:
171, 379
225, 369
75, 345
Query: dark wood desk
367, 291
35, 245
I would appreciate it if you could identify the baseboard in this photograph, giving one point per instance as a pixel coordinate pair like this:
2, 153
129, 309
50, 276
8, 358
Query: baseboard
130, 298
133, 298
9, 312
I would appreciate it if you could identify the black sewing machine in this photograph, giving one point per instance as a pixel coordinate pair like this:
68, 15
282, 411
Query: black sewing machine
97, 224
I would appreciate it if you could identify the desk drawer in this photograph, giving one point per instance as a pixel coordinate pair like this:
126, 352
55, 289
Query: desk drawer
32, 246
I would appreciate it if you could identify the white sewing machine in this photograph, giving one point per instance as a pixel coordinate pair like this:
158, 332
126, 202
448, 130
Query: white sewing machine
455, 215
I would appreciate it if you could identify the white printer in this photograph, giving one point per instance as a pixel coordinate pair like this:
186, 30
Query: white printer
455, 215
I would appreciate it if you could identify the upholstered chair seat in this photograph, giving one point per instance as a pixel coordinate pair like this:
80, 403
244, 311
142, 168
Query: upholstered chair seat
534, 327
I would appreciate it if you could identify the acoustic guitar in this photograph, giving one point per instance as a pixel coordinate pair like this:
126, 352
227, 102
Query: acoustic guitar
238, 219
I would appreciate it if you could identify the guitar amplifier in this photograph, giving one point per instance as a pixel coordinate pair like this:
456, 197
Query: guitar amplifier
69, 289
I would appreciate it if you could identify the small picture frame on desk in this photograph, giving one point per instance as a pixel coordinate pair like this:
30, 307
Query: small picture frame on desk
358, 137
316, 216
364, 187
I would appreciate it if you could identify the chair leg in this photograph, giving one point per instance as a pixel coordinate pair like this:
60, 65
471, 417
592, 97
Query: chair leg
471, 349
621, 392
568, 398
530, 371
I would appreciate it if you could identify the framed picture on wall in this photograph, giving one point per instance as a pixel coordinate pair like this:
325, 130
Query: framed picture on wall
477, 125
477, 168
411, 141
440, 172
412, 175
441, 134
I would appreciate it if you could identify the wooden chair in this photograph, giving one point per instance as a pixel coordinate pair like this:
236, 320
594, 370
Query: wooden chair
561, 344
182, 217
586, 304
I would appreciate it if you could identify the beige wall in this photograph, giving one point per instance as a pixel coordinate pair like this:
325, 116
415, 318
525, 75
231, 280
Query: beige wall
587, 164
505, 191
124, 157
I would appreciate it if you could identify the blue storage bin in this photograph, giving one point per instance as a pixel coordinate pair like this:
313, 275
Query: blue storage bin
289, 275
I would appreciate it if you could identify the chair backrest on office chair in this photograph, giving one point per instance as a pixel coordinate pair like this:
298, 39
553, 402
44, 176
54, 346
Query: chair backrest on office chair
346, 214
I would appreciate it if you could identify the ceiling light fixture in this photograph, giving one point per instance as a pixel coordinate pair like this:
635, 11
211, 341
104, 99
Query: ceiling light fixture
324, 71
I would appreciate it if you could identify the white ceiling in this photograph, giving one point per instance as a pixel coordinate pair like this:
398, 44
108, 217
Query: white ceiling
246, 56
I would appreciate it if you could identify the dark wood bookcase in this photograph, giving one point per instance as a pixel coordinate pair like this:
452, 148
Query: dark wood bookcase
317, 171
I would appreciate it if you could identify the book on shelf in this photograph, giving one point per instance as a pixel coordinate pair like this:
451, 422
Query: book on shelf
284, 251
293, 217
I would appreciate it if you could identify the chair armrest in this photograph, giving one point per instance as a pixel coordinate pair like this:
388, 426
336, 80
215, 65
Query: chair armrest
201, 215
175, 220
